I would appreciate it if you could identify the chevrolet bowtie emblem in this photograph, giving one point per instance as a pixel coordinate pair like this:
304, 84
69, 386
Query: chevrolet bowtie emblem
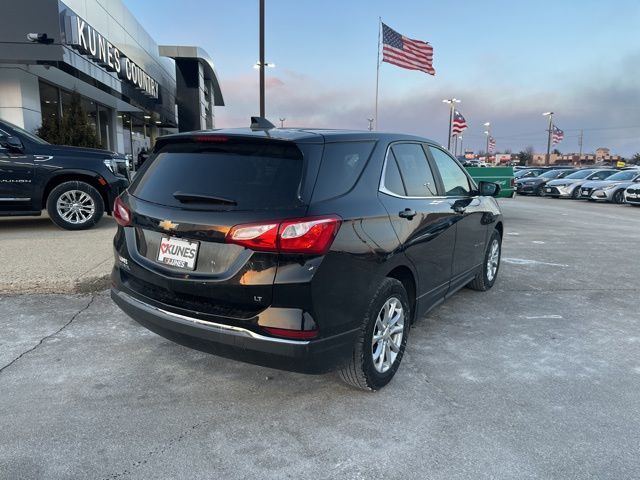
168, 225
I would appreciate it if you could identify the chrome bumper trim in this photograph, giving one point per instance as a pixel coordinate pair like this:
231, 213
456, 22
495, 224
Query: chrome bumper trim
211, 325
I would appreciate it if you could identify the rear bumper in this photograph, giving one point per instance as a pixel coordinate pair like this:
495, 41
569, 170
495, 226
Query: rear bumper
305, 356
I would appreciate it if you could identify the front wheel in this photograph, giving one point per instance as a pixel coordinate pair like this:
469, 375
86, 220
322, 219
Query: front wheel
540, 191
576, 193
75, 205
382, 339
486, 277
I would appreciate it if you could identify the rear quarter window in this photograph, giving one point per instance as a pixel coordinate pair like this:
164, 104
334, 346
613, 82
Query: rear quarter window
342, 164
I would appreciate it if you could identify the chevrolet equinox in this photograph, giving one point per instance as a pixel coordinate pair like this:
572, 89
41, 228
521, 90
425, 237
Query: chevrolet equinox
300, 249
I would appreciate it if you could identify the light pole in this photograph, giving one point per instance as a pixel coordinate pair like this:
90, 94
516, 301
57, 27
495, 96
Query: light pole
461, 145
488, 134
550, 115
261, 61
451, 102
282, 119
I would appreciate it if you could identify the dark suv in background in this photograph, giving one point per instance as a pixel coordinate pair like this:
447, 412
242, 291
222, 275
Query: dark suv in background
305, 250
75, 185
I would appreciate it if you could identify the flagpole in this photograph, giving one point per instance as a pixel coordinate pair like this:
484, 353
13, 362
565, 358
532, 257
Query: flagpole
450, 126
378, 70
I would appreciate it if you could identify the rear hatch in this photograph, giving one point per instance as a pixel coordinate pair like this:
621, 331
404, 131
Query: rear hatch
185, 200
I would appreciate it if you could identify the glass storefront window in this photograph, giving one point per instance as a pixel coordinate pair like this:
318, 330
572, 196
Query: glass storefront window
91, 110
49, 101
104, 120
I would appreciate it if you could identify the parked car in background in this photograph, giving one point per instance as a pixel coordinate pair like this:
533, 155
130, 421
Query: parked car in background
632, 195
535, 185
76, 185
611, 189
569, 186
528, 172
304, 250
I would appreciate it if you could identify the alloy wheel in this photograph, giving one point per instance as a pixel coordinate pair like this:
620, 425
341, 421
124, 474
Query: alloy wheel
75, 206
387, 335
493, 260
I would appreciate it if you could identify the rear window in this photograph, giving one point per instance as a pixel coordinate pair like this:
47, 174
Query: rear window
233, 175
342, 164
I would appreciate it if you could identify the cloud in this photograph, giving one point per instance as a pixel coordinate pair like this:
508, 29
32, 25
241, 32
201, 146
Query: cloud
595, 101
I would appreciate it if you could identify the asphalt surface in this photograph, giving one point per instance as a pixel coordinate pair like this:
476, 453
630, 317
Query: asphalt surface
39, 257
537, 378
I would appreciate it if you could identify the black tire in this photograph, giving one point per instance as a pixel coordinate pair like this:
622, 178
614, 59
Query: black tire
618, 197
540, 191
76, 221
360, 372
576, 193
482, 282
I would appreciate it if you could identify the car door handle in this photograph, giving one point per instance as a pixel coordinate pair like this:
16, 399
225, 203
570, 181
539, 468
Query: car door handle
458, 208
407, 213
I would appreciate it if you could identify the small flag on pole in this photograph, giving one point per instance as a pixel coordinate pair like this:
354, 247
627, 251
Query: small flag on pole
459, 124
406, 52
557, 135
492, 145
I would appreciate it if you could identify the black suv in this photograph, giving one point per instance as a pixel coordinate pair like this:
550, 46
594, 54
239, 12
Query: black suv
75, 185
305, 250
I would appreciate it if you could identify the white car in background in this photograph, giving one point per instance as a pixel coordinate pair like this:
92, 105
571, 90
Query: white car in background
611, 189
569, 186
632, 194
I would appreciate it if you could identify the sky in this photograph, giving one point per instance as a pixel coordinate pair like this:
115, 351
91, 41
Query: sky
508, 61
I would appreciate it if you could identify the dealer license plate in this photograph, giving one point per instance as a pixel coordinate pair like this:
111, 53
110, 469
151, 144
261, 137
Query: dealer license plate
548, 189
178, 252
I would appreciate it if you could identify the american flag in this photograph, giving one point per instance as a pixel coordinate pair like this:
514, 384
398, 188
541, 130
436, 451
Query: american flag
406, 52
557, 135
492, 145
459, 124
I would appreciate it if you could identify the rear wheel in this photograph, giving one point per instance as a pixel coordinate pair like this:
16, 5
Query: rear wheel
487, 276
75, 205
382, 339
618, 197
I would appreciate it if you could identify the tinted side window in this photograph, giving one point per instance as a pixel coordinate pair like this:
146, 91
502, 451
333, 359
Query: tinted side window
454, 179
342, 164
392, 179
414, 170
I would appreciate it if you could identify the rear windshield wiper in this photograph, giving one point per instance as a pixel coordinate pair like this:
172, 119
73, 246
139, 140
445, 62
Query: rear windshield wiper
185, 197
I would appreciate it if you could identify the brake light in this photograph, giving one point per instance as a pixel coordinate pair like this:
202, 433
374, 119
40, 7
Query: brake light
294, 334
312, 235
209, 138
121, 213
256, 237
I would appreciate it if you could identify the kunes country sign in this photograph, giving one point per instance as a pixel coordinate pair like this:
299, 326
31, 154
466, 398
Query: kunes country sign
84, 38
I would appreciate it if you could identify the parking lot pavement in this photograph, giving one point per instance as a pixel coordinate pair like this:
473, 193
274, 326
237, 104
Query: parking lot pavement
39, 257
537, 378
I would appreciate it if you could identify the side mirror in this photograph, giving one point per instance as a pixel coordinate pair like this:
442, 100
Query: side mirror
14, 143
488, 189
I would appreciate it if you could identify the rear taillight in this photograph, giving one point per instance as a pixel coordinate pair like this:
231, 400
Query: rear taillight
121, 213
312, 235
293, 334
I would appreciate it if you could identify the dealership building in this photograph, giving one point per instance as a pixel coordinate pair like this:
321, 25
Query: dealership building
131, 89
